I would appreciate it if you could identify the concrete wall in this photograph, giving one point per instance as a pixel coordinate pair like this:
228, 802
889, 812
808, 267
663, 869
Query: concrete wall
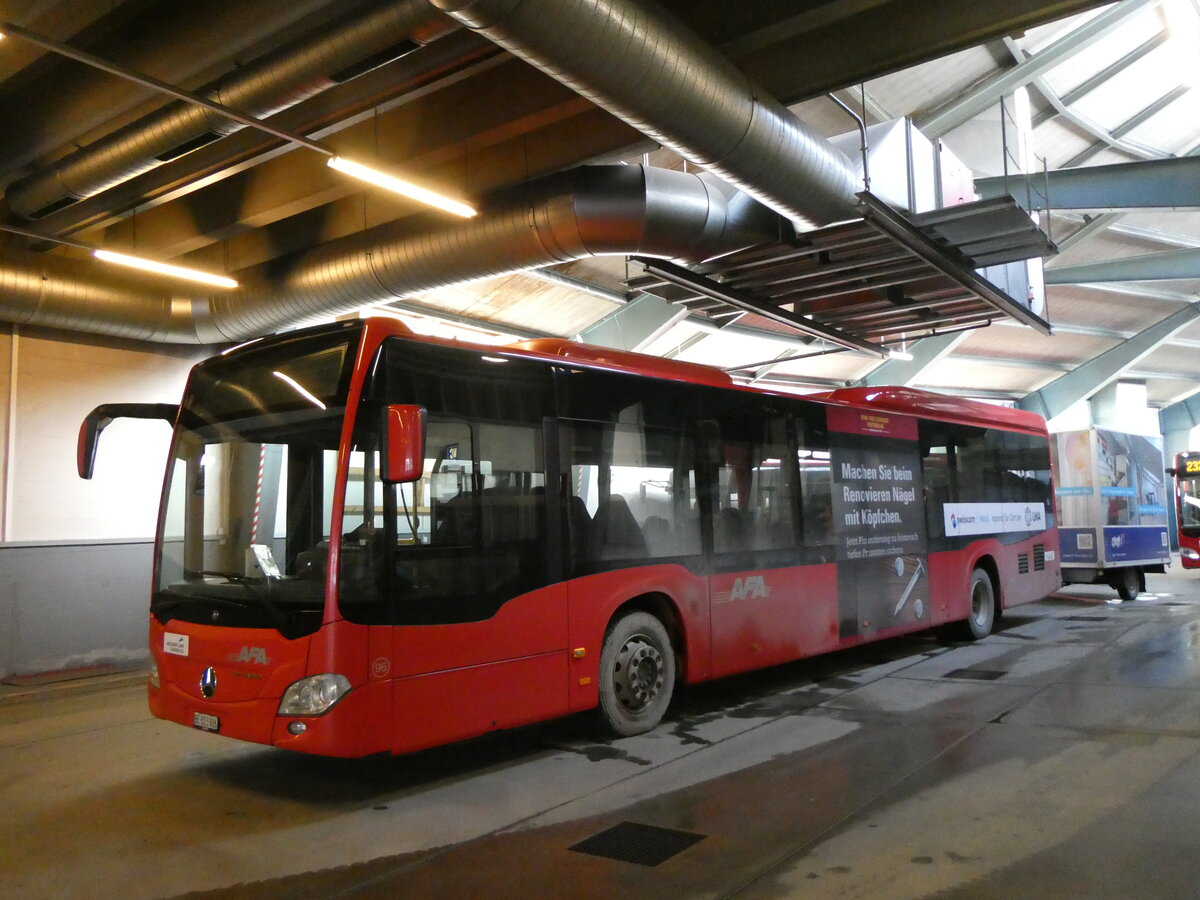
75, 555
64, 606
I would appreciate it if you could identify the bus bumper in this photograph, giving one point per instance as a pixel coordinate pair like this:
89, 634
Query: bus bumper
347, 730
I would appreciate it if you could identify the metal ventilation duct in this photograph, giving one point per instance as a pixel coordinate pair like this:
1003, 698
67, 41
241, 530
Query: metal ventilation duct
261, 89
648, 69
591, 211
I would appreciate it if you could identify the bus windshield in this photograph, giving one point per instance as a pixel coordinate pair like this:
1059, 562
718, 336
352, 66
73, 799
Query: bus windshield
1189, 505
246, 516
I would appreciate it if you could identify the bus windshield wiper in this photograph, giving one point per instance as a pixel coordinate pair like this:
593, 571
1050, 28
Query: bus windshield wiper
231, 577
277, 616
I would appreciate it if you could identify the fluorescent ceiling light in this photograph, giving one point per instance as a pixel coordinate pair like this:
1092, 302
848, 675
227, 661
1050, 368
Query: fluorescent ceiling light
900, 354
399, 186
136, 262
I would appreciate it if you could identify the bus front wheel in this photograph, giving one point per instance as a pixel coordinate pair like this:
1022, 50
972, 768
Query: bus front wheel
637, 674
982, 614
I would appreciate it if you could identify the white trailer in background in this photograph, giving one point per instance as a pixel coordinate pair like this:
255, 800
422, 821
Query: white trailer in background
1111, 497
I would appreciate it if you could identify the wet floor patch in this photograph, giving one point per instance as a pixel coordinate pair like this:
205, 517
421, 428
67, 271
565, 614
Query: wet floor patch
976, 674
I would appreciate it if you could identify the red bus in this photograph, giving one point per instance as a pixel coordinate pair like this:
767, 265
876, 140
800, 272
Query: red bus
376, 542
1187, 506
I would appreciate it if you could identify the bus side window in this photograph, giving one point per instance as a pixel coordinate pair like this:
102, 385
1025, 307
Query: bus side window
756, 487
936, 464
816, 484
631, 492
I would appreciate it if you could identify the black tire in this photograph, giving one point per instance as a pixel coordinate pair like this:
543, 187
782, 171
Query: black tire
637, 674
982, 615
1128, 583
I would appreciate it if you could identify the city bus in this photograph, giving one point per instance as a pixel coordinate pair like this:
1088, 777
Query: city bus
1187, 506
375, 542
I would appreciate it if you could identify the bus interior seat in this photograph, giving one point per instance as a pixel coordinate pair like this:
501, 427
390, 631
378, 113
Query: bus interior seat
728, 529
659, 539
579, 527
616, 533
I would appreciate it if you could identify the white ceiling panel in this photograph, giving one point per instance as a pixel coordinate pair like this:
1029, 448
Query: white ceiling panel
1164, 392
836, 366
1089, 306
1036, 39
929, 84
1068, 75
1007, 342
968, 375
1131, 90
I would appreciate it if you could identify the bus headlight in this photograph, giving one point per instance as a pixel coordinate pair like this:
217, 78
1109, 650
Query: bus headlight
313, 696
1189, 553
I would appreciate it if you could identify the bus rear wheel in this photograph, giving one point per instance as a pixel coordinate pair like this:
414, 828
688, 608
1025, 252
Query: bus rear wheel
637, 674
982, 614
1128, 583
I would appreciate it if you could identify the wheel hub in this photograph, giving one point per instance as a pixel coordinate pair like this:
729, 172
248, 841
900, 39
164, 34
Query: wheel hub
639, 673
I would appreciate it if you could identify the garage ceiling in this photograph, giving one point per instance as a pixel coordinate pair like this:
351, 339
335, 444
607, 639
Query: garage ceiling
410, 88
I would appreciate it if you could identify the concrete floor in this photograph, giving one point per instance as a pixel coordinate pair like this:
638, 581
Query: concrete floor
1058, 758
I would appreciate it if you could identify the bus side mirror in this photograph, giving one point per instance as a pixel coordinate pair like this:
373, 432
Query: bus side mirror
101, 417
1172, 472
403, 457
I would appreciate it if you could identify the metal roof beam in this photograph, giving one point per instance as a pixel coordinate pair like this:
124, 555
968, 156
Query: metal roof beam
1133, 289
1090, 228
1094, 374
1182, 416
634, 324
971, 393
1011, 362
1084, 330
966, 106
1060, 107
1152, 183
1128, 125
924, 353
1078, 93
1167, 265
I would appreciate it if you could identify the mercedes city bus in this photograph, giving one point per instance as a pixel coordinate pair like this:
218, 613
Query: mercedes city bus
374, 542
1187, 506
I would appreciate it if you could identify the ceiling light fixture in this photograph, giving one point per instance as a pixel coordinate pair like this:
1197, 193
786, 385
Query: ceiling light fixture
150, 265
349, 167
400, 186
133, 262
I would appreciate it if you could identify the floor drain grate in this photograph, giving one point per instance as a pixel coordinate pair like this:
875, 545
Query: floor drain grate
644, 845
1084, 618
976, 674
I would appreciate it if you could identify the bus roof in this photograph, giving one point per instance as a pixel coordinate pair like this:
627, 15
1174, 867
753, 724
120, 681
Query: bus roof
936, 406
627, 361
893, 399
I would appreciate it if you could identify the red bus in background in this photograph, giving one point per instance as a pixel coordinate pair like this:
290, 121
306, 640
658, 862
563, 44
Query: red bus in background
1187, 506
376, 542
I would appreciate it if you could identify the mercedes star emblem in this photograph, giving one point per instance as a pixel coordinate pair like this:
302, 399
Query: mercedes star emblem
208, 682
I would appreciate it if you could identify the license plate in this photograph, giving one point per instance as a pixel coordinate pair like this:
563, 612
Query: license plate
205, 722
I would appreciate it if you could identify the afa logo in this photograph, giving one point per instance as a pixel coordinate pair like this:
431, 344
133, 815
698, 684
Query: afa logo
953, 521
751, 587
256, 655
